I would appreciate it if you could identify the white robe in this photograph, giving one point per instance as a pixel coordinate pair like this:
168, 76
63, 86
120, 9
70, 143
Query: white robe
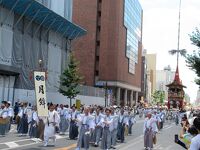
4, 113
10, 112
150, 123
49, 130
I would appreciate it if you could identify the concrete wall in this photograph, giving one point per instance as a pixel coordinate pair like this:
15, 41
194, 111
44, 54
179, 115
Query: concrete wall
55, 97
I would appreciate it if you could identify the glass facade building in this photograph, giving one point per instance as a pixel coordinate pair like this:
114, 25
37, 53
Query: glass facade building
133, 24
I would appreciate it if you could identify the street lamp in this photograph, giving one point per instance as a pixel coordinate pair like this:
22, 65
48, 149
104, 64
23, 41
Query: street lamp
40, 62
106, 92
40, 68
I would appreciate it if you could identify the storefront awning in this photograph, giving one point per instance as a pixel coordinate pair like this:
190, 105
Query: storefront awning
45, 17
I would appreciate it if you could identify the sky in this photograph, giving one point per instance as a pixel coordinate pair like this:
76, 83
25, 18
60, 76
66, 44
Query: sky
160, 34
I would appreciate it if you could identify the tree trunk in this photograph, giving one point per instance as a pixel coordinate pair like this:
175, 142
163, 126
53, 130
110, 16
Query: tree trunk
70, 103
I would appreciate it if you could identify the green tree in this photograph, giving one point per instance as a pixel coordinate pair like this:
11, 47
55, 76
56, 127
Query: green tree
158, 97
70, 79
193, 60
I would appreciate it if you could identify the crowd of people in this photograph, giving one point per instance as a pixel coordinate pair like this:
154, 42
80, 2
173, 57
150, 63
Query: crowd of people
89, 125
97, 126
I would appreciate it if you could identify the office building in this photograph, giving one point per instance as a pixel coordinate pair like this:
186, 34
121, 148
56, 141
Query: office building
112, 49
163, 78
151, 68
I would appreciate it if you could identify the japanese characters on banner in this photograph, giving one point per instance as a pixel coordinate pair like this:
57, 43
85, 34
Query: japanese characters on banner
40, 93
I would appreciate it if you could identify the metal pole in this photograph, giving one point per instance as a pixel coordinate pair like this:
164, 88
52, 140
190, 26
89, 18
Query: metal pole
27, 7
59, 27
71, 35
65, 30
15, 4
106, 84
32, 20
41, 24
179, 25
50, 26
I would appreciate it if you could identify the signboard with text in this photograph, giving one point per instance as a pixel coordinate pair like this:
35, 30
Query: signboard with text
40, 93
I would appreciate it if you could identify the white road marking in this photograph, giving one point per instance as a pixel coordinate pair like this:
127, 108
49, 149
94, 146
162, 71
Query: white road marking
168, 127
157, 147
12, 144
20, 146
17, 141
60, 137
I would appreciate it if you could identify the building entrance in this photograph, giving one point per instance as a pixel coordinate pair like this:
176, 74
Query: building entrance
6, 87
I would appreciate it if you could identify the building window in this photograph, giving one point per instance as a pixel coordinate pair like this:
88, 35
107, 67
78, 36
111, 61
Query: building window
97, 58
133, 24
96, 73
99, 13
99, 28
98, 43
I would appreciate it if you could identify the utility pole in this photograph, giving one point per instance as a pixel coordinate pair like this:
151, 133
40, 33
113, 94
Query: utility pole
106, 92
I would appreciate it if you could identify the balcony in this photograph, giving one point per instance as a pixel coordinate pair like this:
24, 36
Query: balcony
175, 95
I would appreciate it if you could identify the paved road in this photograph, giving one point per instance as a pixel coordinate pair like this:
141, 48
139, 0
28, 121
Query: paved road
135, 142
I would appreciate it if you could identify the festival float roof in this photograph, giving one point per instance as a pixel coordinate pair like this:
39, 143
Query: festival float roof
177, 82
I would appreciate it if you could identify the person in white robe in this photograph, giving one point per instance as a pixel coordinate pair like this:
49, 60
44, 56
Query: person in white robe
64, 124
98, 128
131, 121
34, 120
51, 123
107, 128
85, 121
92, 113
156, 116
10, 115
23, 124
149, 130
115, 118
3, 119
73, 129
123, 121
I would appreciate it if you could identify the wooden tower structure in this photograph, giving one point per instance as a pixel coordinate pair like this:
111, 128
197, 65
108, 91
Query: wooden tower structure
176, 92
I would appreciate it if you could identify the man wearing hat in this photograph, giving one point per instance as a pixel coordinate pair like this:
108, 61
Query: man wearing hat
3, 119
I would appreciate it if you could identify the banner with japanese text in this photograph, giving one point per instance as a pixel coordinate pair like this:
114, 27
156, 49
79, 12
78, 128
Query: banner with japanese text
40, 93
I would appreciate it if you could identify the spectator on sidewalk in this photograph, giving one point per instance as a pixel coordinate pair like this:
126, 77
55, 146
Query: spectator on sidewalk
195, 143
